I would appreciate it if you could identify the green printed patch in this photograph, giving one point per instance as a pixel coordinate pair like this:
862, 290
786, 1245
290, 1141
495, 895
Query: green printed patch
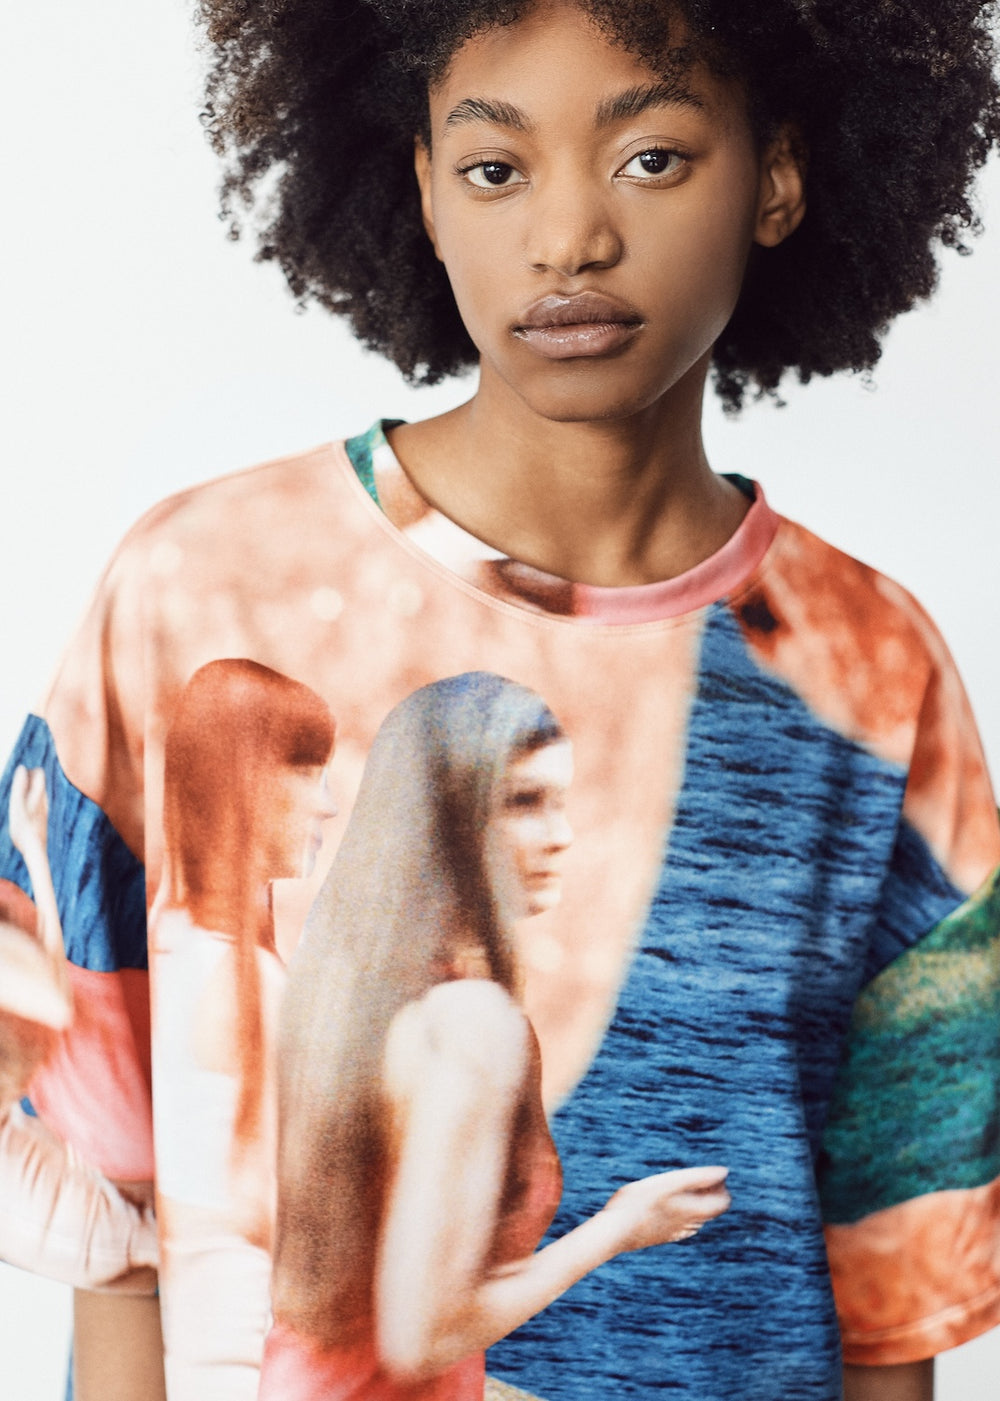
915, 1104
360, 450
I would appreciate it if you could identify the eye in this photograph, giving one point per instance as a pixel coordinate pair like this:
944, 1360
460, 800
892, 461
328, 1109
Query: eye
492, 175
524, 799
647, 165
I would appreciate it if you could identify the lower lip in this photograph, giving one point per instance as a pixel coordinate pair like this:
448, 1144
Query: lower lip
583, 339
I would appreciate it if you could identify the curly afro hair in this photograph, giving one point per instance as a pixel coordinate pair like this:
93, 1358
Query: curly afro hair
314, 106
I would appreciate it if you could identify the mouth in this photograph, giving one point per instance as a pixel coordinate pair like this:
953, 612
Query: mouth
588, 324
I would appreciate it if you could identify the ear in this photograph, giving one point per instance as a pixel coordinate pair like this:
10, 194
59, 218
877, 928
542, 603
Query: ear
782, 199
422, 166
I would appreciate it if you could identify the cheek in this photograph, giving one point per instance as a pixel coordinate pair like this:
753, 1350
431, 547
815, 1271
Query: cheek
527, 835
289, 818
482, 255
696, 254
696, 276
473, 279
513, 841
728, 225
291, 824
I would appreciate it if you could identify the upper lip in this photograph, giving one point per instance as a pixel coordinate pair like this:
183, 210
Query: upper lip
578, 310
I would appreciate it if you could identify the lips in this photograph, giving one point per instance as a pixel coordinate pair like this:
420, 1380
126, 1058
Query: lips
588, 324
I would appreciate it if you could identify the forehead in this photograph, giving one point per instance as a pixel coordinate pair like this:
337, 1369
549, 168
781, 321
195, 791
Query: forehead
556, 60
551, 765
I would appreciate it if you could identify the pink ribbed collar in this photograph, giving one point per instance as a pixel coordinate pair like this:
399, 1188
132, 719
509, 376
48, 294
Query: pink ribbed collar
716, 577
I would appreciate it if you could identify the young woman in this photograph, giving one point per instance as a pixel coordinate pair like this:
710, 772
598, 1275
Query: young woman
777, 944
417, 1174
245, 798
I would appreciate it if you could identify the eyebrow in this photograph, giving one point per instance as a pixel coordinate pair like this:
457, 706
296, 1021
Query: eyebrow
669, 92
484, 109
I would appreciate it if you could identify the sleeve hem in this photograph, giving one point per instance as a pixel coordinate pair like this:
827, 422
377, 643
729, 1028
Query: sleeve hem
926, 1337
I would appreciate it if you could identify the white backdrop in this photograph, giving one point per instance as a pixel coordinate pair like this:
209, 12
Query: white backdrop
144, 352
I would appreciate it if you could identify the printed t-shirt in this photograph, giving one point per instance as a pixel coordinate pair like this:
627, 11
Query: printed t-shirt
776, 945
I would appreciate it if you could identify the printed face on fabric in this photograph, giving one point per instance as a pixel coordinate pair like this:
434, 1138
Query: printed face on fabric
594, 215
300, 804
529, 832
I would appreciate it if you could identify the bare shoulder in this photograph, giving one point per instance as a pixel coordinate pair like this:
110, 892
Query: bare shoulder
468, 1009
470, 1024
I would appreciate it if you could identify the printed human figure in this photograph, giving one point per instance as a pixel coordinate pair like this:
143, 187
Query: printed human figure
59, 1215
245, 798
416, 1171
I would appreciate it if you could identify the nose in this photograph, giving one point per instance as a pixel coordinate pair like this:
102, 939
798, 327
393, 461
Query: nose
571, 230
325, 807
560, 833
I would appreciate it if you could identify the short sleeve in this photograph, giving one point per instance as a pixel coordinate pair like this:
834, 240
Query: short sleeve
909, 1173
90, 1090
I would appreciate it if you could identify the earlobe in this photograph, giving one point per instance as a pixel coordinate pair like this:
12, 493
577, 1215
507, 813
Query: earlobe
422, 167
782, 189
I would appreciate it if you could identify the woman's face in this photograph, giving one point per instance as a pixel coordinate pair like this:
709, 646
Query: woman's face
299, 806
594, 218
528, 832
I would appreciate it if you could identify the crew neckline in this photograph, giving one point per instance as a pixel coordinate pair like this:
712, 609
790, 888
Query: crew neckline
721, 574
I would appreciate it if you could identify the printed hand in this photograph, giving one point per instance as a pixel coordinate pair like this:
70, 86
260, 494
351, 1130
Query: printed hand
29, 811
670, 1206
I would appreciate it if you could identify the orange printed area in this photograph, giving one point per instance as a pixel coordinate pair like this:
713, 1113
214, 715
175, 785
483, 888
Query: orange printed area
95, 1090
868, 661
354, 611
917, 1278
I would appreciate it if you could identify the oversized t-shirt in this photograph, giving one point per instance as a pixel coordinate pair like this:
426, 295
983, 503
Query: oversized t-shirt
776, 944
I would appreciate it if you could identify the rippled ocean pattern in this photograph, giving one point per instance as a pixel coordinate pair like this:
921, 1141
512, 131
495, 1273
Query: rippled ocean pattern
723, 1049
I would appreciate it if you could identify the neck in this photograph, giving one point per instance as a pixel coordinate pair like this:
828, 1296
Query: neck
629, 500
251, 917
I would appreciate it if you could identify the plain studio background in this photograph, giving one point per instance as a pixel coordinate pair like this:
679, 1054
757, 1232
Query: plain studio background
144, 352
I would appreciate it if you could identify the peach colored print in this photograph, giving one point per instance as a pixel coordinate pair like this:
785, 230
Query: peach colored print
867, 660
298, 569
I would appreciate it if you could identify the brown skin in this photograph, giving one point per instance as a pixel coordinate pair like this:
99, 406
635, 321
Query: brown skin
592, 468
913, 1382
117, 1348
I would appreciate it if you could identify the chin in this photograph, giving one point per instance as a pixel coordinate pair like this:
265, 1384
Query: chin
543, 900
585, 397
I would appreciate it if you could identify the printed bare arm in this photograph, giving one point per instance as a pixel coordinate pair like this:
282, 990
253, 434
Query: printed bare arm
455, 1066
29, 823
